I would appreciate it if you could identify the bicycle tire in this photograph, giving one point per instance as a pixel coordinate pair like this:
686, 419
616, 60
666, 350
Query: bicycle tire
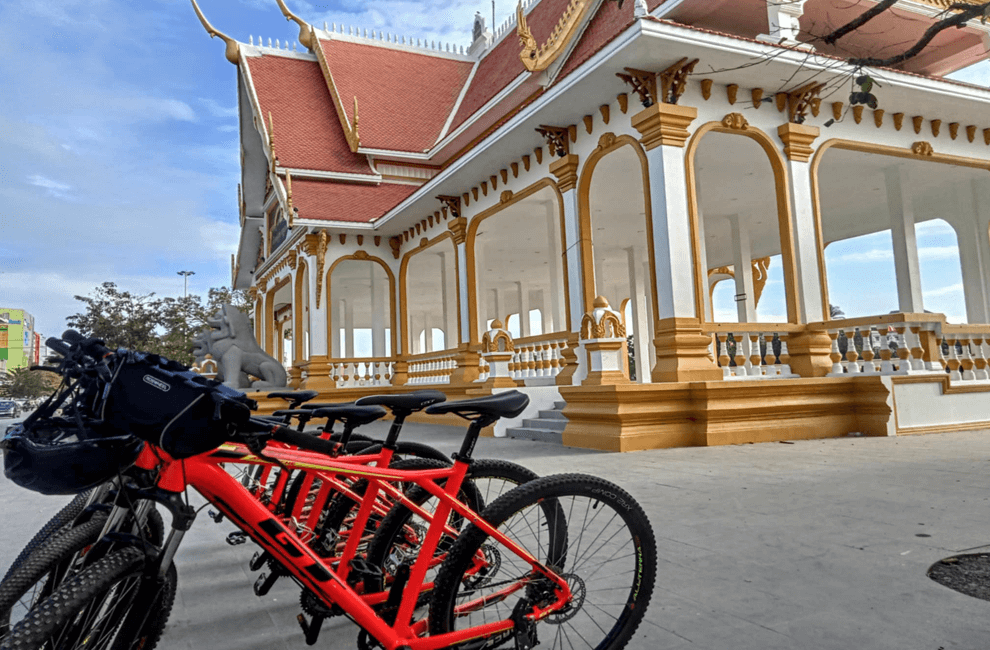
42, 569
383, 546
69, 604
62, 518
638, 553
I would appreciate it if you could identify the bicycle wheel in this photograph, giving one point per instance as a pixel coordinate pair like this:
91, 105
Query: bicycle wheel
607, 556
91, 610
62, 518
402, 532
43, 570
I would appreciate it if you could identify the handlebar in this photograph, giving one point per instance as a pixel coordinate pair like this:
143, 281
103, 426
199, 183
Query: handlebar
305, 441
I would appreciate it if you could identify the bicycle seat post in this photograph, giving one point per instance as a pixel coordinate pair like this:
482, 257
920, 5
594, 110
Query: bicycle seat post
471, 438
396, 428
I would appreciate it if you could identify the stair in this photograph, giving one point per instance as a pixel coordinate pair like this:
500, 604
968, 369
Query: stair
548, 427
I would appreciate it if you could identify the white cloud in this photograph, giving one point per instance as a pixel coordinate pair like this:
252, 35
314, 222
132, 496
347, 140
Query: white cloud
937, 253
218, 110
155, 109
54, 188
952, 290
978, 74
863, 257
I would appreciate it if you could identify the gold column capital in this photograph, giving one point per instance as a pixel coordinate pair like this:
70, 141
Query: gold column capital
797, 140
565, 169
664, 124
458, 229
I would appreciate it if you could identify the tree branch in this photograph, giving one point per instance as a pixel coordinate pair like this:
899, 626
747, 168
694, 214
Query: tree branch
859, 21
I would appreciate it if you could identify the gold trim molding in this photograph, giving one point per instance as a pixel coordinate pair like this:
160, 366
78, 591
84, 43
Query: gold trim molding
664, 124
350, 132
797, 139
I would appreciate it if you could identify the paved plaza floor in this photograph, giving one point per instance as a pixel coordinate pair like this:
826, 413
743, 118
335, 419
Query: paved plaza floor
812, 545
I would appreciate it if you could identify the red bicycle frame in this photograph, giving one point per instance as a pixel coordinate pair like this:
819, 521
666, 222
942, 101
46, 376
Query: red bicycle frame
328, 577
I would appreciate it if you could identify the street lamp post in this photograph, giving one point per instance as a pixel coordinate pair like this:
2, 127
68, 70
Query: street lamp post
185, 276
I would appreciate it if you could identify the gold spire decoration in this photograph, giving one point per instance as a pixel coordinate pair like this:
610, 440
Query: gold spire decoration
233, 51
271, 142
321, 257
305, 29
288, 197
537, 58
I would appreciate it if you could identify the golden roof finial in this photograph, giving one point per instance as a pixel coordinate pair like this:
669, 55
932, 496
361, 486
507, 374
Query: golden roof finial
233, 51
288, 198
305, 29
356, 136
271, 141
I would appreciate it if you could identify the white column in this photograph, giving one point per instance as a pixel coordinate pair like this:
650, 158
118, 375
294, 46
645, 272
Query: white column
499, 306
378, 297
462, 287
575, 297
524, 329
553, 307
348, 329
642, 332
449, 331
671, 234
706, 295
974, 248
319, 340
905, 242
808, 292
427, 331
336, 327
743, 268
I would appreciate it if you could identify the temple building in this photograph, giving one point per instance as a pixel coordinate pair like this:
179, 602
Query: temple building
558, 206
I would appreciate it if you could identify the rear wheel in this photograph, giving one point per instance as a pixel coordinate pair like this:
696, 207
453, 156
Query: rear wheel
598, 540
62, 518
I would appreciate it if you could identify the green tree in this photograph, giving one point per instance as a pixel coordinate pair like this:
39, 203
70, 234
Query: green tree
28, 384
145, 322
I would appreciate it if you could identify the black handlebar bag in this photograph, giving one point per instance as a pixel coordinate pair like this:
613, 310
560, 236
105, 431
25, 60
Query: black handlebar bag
165, 403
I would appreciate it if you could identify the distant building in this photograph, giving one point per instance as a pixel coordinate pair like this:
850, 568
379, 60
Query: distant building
18, 342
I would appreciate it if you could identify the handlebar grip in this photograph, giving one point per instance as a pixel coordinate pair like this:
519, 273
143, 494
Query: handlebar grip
59, 346
304, 441
94, 347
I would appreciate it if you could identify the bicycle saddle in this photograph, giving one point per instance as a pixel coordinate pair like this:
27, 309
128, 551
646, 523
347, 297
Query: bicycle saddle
351, 415
405, 403
294, 395
501, 405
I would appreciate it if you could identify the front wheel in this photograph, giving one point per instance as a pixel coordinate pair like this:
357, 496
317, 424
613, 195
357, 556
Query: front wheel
607, 556
94, 609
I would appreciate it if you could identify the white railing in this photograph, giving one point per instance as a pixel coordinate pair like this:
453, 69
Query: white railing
432, 368
361, 373
538, 357
751, 350
967, 350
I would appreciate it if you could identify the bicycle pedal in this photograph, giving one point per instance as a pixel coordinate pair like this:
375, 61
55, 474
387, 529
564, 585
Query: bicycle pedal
258, 560
236, 538
311, 630
361, 569
215, 516
264, 584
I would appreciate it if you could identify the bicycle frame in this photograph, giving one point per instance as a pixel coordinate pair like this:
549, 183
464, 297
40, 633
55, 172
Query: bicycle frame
205, 474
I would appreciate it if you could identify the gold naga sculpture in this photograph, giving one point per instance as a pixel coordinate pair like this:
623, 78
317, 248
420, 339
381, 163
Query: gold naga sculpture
233, 50
537, 58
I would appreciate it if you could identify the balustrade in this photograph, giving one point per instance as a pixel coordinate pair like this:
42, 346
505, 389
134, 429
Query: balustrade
361, 373
751, 350
967, 352
894, 344
432, 368
538, 357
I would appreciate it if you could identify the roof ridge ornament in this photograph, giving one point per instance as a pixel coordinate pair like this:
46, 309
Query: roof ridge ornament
305, 29
233, 50
537, 58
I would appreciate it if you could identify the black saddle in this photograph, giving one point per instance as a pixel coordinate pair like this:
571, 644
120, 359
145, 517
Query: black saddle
405, 403
490, 408
351, 415
294, 397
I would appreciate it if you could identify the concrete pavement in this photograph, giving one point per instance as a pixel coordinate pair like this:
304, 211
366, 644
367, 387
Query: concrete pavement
812, 545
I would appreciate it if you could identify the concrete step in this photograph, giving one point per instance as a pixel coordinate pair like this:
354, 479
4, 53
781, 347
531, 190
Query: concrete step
551, 425
541, 435
552, 415
559, 405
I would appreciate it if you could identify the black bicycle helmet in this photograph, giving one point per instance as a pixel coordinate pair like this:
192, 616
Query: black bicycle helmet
57, 456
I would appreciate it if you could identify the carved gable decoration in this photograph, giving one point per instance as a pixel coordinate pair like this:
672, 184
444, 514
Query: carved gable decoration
536, 57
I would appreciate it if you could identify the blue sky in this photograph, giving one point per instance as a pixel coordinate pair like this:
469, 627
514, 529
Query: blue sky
118, 138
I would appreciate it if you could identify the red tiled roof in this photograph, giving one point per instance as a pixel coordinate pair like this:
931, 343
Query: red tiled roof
605, 25
307, 132
502, 64
404, 98
335, 201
